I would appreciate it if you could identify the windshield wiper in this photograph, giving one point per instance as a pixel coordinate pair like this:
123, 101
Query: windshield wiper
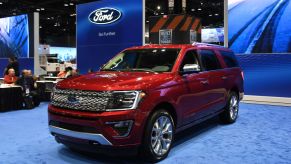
114, 70
142, 69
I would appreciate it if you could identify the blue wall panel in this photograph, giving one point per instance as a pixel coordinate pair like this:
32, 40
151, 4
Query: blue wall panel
267, 74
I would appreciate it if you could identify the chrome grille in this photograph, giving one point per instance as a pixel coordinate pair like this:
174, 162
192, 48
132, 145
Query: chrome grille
81, 100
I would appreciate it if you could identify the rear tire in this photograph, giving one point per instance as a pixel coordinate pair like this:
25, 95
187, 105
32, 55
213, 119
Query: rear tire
230, 113
159, 136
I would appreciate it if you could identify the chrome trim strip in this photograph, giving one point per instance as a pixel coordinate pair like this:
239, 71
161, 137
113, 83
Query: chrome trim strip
81, 135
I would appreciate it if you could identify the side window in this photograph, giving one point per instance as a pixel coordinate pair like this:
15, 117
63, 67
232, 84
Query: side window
209, 60
190, 62
229, 59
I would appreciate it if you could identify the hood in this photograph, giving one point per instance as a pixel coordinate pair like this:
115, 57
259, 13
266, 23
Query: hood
109, 81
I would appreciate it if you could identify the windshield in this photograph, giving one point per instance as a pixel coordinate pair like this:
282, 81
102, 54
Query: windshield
149, 60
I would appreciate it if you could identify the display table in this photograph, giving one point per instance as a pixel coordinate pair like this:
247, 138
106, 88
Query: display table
50, 78
44, 89
10, 97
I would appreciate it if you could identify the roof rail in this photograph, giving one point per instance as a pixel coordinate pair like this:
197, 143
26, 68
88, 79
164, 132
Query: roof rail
206, 44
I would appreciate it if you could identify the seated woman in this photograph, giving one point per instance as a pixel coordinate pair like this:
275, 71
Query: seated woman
10, 78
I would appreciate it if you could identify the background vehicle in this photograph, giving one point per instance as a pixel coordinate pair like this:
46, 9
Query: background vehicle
143, 96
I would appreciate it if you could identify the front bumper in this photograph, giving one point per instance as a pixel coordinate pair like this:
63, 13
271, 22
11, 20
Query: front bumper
98, 138
93, 128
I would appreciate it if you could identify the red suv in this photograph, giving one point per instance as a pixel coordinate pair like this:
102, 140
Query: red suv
143, 96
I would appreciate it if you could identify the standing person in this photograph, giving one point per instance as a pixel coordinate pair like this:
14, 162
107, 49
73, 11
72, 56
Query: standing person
10, 78
13, 63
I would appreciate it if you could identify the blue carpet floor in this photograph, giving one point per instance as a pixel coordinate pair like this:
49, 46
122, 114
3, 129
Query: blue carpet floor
262, 134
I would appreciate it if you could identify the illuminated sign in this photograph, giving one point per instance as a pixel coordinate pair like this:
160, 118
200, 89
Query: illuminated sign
105, 15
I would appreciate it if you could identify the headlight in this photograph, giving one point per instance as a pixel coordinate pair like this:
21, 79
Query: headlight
121, 100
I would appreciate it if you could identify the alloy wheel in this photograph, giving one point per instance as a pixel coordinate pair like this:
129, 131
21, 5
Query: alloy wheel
162, 135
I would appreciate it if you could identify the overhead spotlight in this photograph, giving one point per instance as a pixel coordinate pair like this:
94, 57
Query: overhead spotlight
192, 9
42, 9
159, 7
162, 13
147, 21
40, 26
1, 3
216, 14
71, 4
199, 9
210, 15
66, 4
37, 9
48, 18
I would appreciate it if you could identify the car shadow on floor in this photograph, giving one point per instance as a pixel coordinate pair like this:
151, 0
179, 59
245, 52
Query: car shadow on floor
72, 156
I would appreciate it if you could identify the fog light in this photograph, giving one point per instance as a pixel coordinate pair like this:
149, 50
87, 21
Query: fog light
121, 127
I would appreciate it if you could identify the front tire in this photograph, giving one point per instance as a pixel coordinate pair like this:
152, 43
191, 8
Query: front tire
230, 113
159, 136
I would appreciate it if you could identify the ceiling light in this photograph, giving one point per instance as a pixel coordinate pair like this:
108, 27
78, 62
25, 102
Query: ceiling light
210, 15
159, 7
162, 13
216, 14
42, 9
71, 4
48, 18
40, 27
1, 3
199, 9
37, 9
192, 9
66, 4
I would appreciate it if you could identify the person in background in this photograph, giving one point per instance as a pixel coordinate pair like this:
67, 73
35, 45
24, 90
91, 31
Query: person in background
26, 81
69, 72
10, 78
13, 63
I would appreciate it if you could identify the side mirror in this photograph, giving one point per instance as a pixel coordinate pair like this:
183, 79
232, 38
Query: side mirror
190, 68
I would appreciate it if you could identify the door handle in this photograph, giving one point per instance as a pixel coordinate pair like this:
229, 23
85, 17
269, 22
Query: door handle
224, 78
204, 82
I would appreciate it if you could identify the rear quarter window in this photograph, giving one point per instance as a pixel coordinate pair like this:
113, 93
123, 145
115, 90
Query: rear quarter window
229, 59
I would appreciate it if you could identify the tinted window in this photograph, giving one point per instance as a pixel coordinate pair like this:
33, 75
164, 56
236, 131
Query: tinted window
189, 58
229, 59
209, 60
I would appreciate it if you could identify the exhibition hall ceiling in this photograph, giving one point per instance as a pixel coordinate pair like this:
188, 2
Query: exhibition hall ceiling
58, 17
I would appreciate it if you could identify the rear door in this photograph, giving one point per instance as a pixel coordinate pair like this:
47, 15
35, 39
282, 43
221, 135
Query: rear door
217, 79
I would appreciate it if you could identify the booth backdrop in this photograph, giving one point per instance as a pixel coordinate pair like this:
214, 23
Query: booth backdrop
97, 42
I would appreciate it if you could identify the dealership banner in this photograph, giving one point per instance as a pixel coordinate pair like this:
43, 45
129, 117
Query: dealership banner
106, 27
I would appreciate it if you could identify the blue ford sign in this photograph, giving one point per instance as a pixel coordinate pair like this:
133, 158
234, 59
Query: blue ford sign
105, 15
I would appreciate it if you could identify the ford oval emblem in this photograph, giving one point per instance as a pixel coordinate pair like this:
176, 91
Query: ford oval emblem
105, 15
73, 99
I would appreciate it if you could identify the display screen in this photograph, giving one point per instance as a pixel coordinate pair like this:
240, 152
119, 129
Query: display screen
14, 37
64, 53
259, 26
213, 35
